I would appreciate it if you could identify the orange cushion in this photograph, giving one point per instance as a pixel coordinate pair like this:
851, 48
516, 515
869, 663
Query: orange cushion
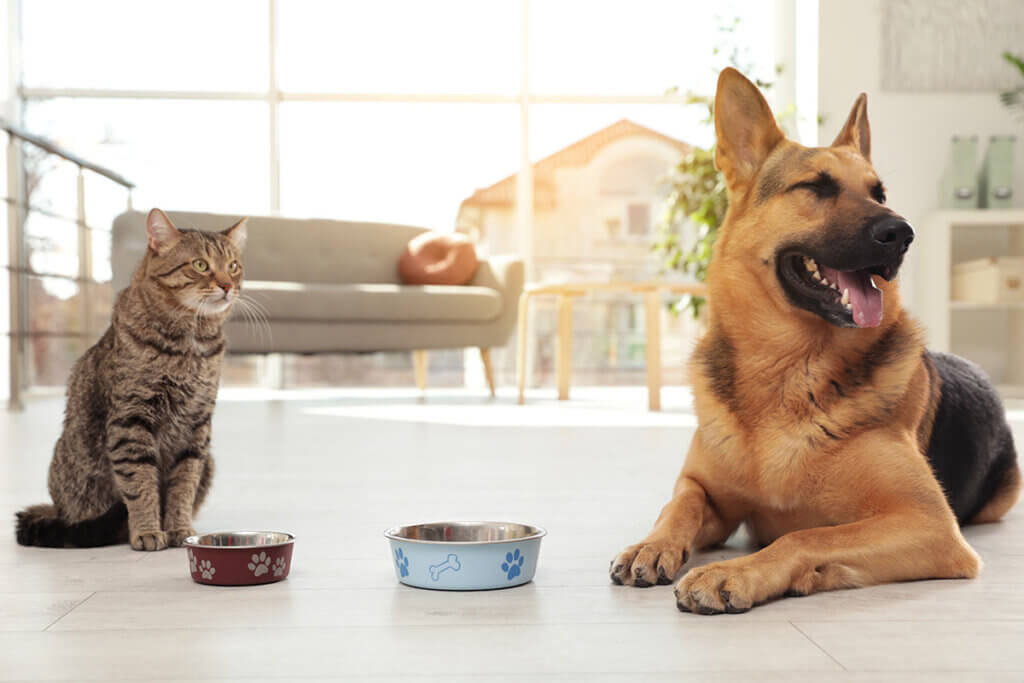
433, 258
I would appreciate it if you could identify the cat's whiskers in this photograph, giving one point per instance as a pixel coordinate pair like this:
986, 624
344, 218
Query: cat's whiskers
257, 316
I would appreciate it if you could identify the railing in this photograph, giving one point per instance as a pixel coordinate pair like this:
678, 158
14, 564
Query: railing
19, 270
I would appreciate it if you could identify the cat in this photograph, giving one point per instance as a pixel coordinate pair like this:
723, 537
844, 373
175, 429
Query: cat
133, 462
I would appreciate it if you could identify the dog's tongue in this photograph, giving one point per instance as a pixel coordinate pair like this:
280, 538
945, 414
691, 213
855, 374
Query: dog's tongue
865, 298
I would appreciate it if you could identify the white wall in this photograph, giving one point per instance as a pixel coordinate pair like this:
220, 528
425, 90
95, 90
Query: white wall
910, 131
7, 111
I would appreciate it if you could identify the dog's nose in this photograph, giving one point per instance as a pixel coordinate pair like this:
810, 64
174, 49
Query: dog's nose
893, 233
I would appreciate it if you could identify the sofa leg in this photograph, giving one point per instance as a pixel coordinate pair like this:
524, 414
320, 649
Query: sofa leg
485, 356
419, 363
273, 371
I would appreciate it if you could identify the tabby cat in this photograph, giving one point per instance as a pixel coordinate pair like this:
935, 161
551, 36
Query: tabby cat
133, 462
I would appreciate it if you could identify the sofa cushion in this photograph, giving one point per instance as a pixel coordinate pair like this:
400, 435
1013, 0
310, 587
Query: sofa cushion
370, 302
434, 258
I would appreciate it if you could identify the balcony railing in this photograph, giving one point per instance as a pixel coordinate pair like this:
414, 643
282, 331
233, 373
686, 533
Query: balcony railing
20, 270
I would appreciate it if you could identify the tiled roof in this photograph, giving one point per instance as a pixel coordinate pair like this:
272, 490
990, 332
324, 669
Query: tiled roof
580, 153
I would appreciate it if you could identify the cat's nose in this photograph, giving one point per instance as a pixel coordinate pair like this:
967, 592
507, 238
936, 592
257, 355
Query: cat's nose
226, 286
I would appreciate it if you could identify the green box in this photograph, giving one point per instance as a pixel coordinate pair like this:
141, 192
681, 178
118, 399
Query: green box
959, 186
995, 183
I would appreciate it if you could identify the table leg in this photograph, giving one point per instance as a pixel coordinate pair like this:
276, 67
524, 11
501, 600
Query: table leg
652, 314
563, 357
524, 312
419, 364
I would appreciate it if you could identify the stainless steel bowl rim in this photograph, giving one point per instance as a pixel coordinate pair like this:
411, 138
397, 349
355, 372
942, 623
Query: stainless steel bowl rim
537, 533
193, 541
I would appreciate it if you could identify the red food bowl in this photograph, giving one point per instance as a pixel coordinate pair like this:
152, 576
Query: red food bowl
239, 558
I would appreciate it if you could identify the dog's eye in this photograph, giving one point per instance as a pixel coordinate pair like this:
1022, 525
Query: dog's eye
823, 187
878, 193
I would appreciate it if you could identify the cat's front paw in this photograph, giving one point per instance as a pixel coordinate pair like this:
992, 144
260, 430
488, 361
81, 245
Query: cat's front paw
149, 540
176, 537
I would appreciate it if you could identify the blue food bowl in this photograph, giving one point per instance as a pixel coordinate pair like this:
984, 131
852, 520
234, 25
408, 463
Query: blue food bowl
465, 556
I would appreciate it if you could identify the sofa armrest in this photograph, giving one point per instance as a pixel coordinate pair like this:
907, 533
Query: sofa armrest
507, 275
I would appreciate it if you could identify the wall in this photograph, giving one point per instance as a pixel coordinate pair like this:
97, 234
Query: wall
910, 131
7, 111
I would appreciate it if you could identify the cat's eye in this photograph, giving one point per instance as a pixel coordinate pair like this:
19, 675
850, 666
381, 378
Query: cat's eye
200, 265
234, 267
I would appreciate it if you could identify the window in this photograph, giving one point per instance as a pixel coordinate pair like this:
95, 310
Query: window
639, 218
393, 111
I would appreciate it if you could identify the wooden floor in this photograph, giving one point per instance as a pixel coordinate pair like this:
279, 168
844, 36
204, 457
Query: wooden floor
336, 469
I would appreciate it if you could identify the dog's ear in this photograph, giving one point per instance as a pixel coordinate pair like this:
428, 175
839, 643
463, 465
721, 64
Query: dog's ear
857, 133
745, 127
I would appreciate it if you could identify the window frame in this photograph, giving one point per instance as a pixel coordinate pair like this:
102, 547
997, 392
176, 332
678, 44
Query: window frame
273, 96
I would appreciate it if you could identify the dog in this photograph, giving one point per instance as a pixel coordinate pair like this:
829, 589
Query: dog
852, 454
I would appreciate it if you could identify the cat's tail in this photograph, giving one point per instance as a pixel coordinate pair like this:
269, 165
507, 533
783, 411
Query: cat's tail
41, 525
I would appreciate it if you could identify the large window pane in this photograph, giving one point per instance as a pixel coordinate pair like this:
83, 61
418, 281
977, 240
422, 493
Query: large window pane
101, 305
404, 163
554, 127
54, 305
645, 46
50, 182
104, 200
128, 44
50, 359
390, 46
51, 245
182, 154
101, 252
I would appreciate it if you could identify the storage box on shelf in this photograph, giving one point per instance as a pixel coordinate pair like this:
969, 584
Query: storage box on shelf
990, 280
970, 284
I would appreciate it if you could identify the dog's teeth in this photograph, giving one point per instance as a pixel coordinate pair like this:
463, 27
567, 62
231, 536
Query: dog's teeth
811, 265
846, 297
824, 280
817, 276
849, 307
835, 286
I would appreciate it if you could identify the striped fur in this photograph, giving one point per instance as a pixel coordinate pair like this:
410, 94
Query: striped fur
133, 462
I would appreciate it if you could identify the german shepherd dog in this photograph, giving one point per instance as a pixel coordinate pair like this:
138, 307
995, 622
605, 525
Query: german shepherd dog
852, 454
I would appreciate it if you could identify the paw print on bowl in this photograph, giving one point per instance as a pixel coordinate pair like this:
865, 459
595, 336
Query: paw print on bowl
512, 566
279, 566
192, 562
260, 564
206, 570
402, 563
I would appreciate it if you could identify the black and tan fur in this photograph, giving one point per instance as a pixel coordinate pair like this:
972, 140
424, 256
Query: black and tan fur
852, 454
133, 462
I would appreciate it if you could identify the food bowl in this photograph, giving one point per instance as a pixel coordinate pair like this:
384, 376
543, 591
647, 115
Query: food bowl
239, 558
465, 556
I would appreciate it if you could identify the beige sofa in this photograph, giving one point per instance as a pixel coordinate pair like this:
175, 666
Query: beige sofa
332, 286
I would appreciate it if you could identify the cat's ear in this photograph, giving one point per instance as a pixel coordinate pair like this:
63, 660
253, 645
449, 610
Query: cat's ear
162, 233
237, 233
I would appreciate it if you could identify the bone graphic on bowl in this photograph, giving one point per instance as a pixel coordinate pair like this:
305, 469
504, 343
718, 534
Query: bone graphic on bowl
451, 563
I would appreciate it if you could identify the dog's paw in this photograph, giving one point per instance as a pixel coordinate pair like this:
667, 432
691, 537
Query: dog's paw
718, 588
149, 540
176, 537
648, 563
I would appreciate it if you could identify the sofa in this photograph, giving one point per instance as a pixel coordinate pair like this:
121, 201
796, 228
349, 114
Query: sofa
331, 286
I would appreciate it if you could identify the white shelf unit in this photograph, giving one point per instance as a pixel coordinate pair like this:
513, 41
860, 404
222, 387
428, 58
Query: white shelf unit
991, 335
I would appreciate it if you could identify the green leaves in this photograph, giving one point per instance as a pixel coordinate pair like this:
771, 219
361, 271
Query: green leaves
1014, 98
1015, 60
697, 197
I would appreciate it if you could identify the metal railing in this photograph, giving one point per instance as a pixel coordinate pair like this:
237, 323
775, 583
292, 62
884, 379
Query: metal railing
19, 270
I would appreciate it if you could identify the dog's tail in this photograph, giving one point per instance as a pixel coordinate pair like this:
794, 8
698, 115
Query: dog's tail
40, 525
